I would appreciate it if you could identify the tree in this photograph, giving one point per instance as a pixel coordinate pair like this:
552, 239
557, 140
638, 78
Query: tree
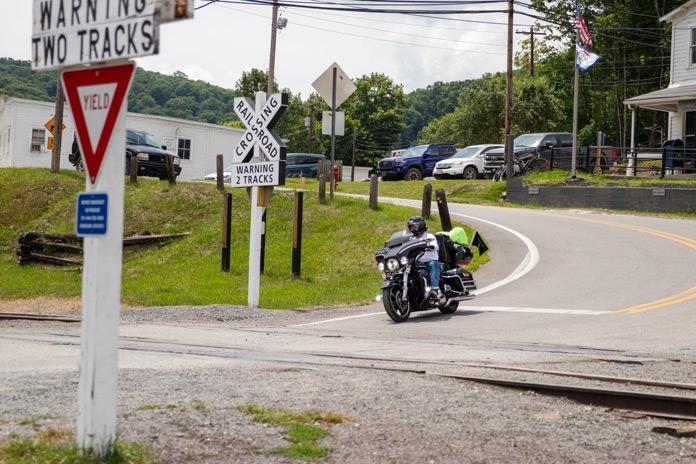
252, 82
480, 116
376, 111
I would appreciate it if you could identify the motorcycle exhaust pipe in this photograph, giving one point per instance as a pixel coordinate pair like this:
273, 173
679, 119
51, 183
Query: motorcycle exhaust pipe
470, 296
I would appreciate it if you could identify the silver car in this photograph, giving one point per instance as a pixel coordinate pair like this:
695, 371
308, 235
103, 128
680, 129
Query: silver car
467, 163
226, 174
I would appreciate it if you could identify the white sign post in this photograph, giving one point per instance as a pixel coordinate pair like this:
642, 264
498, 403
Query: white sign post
98, 97
71, 33
258, 174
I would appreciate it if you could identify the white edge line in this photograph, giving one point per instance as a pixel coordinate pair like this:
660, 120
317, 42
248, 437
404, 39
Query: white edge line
528, 263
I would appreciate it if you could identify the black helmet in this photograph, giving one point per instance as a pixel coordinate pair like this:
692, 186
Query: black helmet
416, 225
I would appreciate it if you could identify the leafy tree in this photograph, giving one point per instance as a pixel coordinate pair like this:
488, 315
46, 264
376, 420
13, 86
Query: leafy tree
252, 82
376, 112
480, 117
426, 105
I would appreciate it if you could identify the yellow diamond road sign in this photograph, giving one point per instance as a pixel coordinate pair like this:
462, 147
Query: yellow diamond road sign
51, 126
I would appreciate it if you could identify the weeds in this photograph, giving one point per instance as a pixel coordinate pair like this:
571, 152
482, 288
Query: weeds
301, 429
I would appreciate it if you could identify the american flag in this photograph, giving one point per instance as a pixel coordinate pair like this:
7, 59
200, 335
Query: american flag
583, 33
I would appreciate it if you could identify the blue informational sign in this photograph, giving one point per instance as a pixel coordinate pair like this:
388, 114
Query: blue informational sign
92, 211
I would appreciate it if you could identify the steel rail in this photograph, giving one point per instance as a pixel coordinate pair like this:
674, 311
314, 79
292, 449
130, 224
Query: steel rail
661, 405
39, 317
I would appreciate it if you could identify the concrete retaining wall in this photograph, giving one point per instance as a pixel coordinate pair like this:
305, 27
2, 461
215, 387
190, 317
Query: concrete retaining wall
660, 200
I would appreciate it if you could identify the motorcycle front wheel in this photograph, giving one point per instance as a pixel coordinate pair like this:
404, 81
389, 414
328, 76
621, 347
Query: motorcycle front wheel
396, 309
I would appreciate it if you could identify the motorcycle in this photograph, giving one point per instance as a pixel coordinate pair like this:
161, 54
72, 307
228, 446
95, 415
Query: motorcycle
406, 287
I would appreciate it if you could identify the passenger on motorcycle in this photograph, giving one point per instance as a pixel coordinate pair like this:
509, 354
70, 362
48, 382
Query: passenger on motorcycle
417, 226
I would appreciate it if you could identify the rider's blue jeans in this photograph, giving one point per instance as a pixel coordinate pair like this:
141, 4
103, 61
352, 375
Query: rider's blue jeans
434, 270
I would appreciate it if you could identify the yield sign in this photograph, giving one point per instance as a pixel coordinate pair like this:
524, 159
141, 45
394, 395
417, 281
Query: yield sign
95, 95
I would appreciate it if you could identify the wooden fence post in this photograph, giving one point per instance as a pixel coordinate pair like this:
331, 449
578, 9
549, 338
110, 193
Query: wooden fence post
373, 191
170, 170
133, 169
443, 210
322, 188
297, 234
226, 230
220, 169
427, 199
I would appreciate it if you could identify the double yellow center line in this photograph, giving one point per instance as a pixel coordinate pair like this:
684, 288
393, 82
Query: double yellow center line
687, 295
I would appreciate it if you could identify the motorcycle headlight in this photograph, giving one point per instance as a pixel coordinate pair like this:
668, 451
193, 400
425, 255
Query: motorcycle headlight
404, 260
392, 264
380, 266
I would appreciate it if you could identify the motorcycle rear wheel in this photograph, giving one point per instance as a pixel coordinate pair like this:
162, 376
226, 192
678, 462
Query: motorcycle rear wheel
397, 310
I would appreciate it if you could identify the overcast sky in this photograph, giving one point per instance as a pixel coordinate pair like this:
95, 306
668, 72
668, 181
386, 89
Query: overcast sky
223, 40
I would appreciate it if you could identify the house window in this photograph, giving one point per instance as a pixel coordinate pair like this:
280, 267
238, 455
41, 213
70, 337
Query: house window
692, 48
38, 138
690, 129
183, 148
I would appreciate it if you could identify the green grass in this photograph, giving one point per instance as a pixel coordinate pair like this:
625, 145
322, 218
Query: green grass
57, 447
339, 241
301, 429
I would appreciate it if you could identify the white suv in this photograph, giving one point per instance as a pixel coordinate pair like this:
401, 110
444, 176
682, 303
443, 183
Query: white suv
465, 164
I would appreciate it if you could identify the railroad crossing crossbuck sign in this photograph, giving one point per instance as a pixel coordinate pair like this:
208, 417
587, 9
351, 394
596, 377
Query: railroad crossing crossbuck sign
260, 128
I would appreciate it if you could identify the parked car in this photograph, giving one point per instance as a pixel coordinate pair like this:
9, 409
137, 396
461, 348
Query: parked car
302, 164
415, 163
226, 174
151, 155
465, 164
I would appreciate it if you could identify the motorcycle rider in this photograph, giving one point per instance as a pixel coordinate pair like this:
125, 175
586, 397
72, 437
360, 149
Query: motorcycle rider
417, 226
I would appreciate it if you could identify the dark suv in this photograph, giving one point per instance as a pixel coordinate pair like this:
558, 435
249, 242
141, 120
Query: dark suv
415, 163
302, 164
151, 155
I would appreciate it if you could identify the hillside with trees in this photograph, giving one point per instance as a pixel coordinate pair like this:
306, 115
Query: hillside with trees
175, 96
633, 42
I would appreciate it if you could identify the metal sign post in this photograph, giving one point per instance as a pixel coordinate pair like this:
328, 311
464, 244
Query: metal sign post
334, 86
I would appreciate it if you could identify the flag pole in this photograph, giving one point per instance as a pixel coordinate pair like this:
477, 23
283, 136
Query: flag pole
576, 84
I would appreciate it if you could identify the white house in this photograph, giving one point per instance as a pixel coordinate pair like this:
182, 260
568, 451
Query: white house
679, 98
26, 142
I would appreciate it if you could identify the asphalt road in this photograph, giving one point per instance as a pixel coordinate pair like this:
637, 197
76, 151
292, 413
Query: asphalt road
578, 290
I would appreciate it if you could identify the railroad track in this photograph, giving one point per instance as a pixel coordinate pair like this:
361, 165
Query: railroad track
39, 317
666, 403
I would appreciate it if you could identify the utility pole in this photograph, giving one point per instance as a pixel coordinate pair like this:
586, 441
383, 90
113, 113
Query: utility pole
352, 165
311, 127
508, 87
58, 130
271, 63
531, 47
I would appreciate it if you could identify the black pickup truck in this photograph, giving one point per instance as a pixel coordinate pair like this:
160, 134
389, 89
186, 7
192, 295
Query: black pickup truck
151, 155
554, 147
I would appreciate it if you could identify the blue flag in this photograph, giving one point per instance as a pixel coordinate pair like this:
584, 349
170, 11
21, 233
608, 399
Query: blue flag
584, 58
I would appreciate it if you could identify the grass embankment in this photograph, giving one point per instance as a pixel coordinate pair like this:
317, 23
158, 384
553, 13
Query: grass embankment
339, 241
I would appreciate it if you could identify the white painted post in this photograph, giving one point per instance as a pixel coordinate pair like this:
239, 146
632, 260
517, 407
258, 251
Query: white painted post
256, 225
101, 300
